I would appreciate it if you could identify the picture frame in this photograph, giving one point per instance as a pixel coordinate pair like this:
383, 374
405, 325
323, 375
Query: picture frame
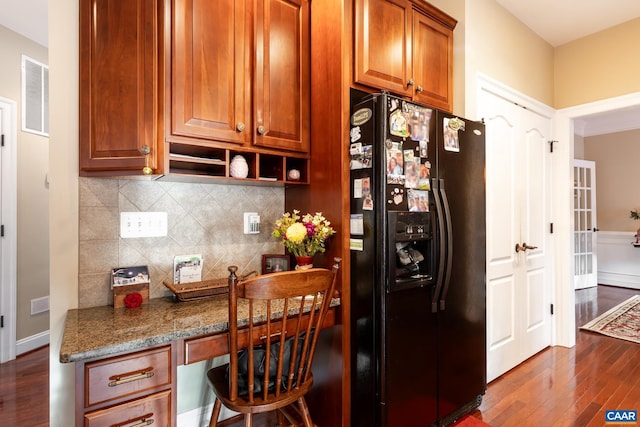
272, 263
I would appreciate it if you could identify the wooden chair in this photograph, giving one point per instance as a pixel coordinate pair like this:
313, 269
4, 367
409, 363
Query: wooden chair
271, 372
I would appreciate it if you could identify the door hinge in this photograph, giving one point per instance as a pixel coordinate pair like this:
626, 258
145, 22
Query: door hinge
1, 321
551, 306
2, 140
551, 228
551, 142
2, 230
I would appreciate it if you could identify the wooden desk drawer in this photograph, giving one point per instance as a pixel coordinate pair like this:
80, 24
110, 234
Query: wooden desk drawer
152, 410
127, 375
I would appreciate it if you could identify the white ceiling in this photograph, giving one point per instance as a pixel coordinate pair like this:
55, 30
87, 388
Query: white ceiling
556, 21
26, 17
562, 21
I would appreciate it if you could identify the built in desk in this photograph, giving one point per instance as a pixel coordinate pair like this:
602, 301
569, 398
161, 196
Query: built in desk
126, 358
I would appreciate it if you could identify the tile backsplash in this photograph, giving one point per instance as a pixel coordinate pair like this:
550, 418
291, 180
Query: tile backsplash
202, 219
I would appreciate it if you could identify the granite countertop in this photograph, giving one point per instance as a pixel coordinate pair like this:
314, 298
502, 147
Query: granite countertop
102, 331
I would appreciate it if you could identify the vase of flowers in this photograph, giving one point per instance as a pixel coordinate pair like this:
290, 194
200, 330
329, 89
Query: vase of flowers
303, 236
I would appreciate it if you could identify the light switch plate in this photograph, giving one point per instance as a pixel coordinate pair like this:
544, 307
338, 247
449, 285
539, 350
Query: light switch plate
143, 224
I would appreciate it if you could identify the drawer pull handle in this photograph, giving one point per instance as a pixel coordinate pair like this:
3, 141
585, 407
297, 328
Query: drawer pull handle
130, 376
145, 420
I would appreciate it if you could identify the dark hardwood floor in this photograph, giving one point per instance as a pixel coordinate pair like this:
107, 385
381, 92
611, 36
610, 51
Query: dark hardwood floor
24, 390
557, 387
570, 386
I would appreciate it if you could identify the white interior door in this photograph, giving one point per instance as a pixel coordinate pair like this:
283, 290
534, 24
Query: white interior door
585, 260
8, 243
518, 242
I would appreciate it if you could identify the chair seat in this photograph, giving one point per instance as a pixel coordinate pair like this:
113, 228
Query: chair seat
220, 384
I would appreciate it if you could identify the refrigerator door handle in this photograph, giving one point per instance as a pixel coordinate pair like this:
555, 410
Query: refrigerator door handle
449, 250
441, 244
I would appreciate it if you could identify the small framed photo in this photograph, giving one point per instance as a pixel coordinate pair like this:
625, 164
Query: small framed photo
272, 263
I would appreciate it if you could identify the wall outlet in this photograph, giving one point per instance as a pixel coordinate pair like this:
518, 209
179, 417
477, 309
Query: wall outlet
251, 223
143, 224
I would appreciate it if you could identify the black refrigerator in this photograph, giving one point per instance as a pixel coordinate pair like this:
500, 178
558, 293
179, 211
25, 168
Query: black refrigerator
417, 244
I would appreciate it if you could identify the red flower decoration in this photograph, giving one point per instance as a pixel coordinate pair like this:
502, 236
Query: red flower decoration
133, 300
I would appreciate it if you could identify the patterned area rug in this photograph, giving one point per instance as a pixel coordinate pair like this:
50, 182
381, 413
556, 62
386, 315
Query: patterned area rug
622, 321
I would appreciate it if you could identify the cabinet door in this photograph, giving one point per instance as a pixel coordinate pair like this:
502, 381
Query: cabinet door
118, 84
432, 62
282, 74
383, 45
211, 78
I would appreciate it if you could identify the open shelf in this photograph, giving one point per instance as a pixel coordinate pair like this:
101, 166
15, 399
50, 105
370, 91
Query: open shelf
263, 167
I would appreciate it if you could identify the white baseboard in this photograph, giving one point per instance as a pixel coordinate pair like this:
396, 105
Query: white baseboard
27, 344
617, 279
618, 260
199, 417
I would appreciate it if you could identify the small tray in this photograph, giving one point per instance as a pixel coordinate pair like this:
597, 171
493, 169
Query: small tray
203, 289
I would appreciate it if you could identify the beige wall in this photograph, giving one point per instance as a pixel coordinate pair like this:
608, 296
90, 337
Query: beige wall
599, 66
63, 209
616, 156
502, 48
491, 41
33, 194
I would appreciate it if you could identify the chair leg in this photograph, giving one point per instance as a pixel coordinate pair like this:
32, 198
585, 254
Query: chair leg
217, 405
280, 418
304, 412
248, 420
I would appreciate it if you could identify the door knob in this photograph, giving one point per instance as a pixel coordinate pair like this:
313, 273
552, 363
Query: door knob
262, 130
523, 247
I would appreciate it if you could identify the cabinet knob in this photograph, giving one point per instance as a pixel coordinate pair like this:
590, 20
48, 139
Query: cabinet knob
240, 127
262, 130
419, 89
411, 82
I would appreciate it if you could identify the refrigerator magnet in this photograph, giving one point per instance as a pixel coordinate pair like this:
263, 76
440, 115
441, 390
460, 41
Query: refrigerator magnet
356, 224
451, 140
367, 204
366, 187
398, 124
357, 188
356, 244
361, 188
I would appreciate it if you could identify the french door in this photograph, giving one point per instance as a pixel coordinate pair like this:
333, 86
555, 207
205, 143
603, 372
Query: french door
585, 261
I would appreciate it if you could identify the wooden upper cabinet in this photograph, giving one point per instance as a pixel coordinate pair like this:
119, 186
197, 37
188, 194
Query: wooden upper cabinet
241, 75
119, 94
405, 47
383, 45
282, 74
432, 62
211, 80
